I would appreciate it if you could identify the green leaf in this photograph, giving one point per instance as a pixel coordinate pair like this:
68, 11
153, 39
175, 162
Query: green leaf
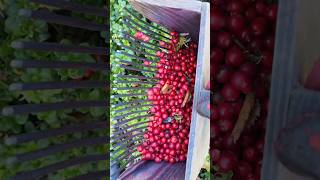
98, 111
22, 119
75, 74
224, 176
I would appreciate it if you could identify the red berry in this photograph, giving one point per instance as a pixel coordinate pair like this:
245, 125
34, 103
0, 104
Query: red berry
223, 40
224, 74
259, 26
251, 13
227, 162
230, 93
269, 42
215, 155
250, 154
251, 177
272, 12
267, 59
235, 7
217, 20
228, 143
243, 169
225, 125
214, 113
217, 55
236, 24
214, 130
226, 111
246, 35
256, 45
157, 160
234, 56
241, 81
248, 68
260, 145
261, 7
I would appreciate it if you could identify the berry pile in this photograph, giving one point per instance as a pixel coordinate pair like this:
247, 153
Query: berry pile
168, 128
140, 35
242, 45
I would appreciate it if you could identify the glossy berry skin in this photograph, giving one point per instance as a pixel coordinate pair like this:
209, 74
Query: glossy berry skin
214, 130
217, 55
269, 42
250, 154
215, 155
235, 7
235, 56
246, 35
224, 74
249, 68
230, 93
259, 26
251, 13
261, 7
226, 111
243, 169
241, 81
214, 113
227, 162
223, 40
236, 24
272, 12
267, 58
225, 125
217, 20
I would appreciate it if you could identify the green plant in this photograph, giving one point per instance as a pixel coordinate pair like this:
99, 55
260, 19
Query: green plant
14, 28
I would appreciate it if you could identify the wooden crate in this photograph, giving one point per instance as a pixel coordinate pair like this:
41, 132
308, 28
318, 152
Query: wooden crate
193, 17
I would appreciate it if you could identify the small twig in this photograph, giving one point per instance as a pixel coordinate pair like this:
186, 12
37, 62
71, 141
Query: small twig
186, 99
254, 57
243, 116
166, 88
255, 113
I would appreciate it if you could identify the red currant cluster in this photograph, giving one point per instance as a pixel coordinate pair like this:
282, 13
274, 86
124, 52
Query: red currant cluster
168, 128
242, 44
140, 35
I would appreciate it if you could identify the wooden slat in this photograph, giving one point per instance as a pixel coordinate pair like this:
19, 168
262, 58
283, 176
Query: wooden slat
36, 174
57, 149
56, 47
72, 84
58, 64
51, 17
36, 108
76, 7
34, 136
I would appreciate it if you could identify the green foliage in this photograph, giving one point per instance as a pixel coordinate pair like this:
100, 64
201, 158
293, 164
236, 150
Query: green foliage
15, 28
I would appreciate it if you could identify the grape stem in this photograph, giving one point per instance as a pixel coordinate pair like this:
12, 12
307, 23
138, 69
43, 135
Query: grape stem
256, 58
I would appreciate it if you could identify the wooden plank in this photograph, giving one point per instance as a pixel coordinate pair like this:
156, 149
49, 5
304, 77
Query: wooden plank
200, 126
180, 15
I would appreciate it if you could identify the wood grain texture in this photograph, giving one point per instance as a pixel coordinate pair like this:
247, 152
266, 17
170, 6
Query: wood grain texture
297, 47
200, 126
149, 170
182, 16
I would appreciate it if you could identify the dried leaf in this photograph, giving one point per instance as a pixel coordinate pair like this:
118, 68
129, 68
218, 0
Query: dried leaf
186, 98
254, 115
243, 116
166, 88
135, 85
